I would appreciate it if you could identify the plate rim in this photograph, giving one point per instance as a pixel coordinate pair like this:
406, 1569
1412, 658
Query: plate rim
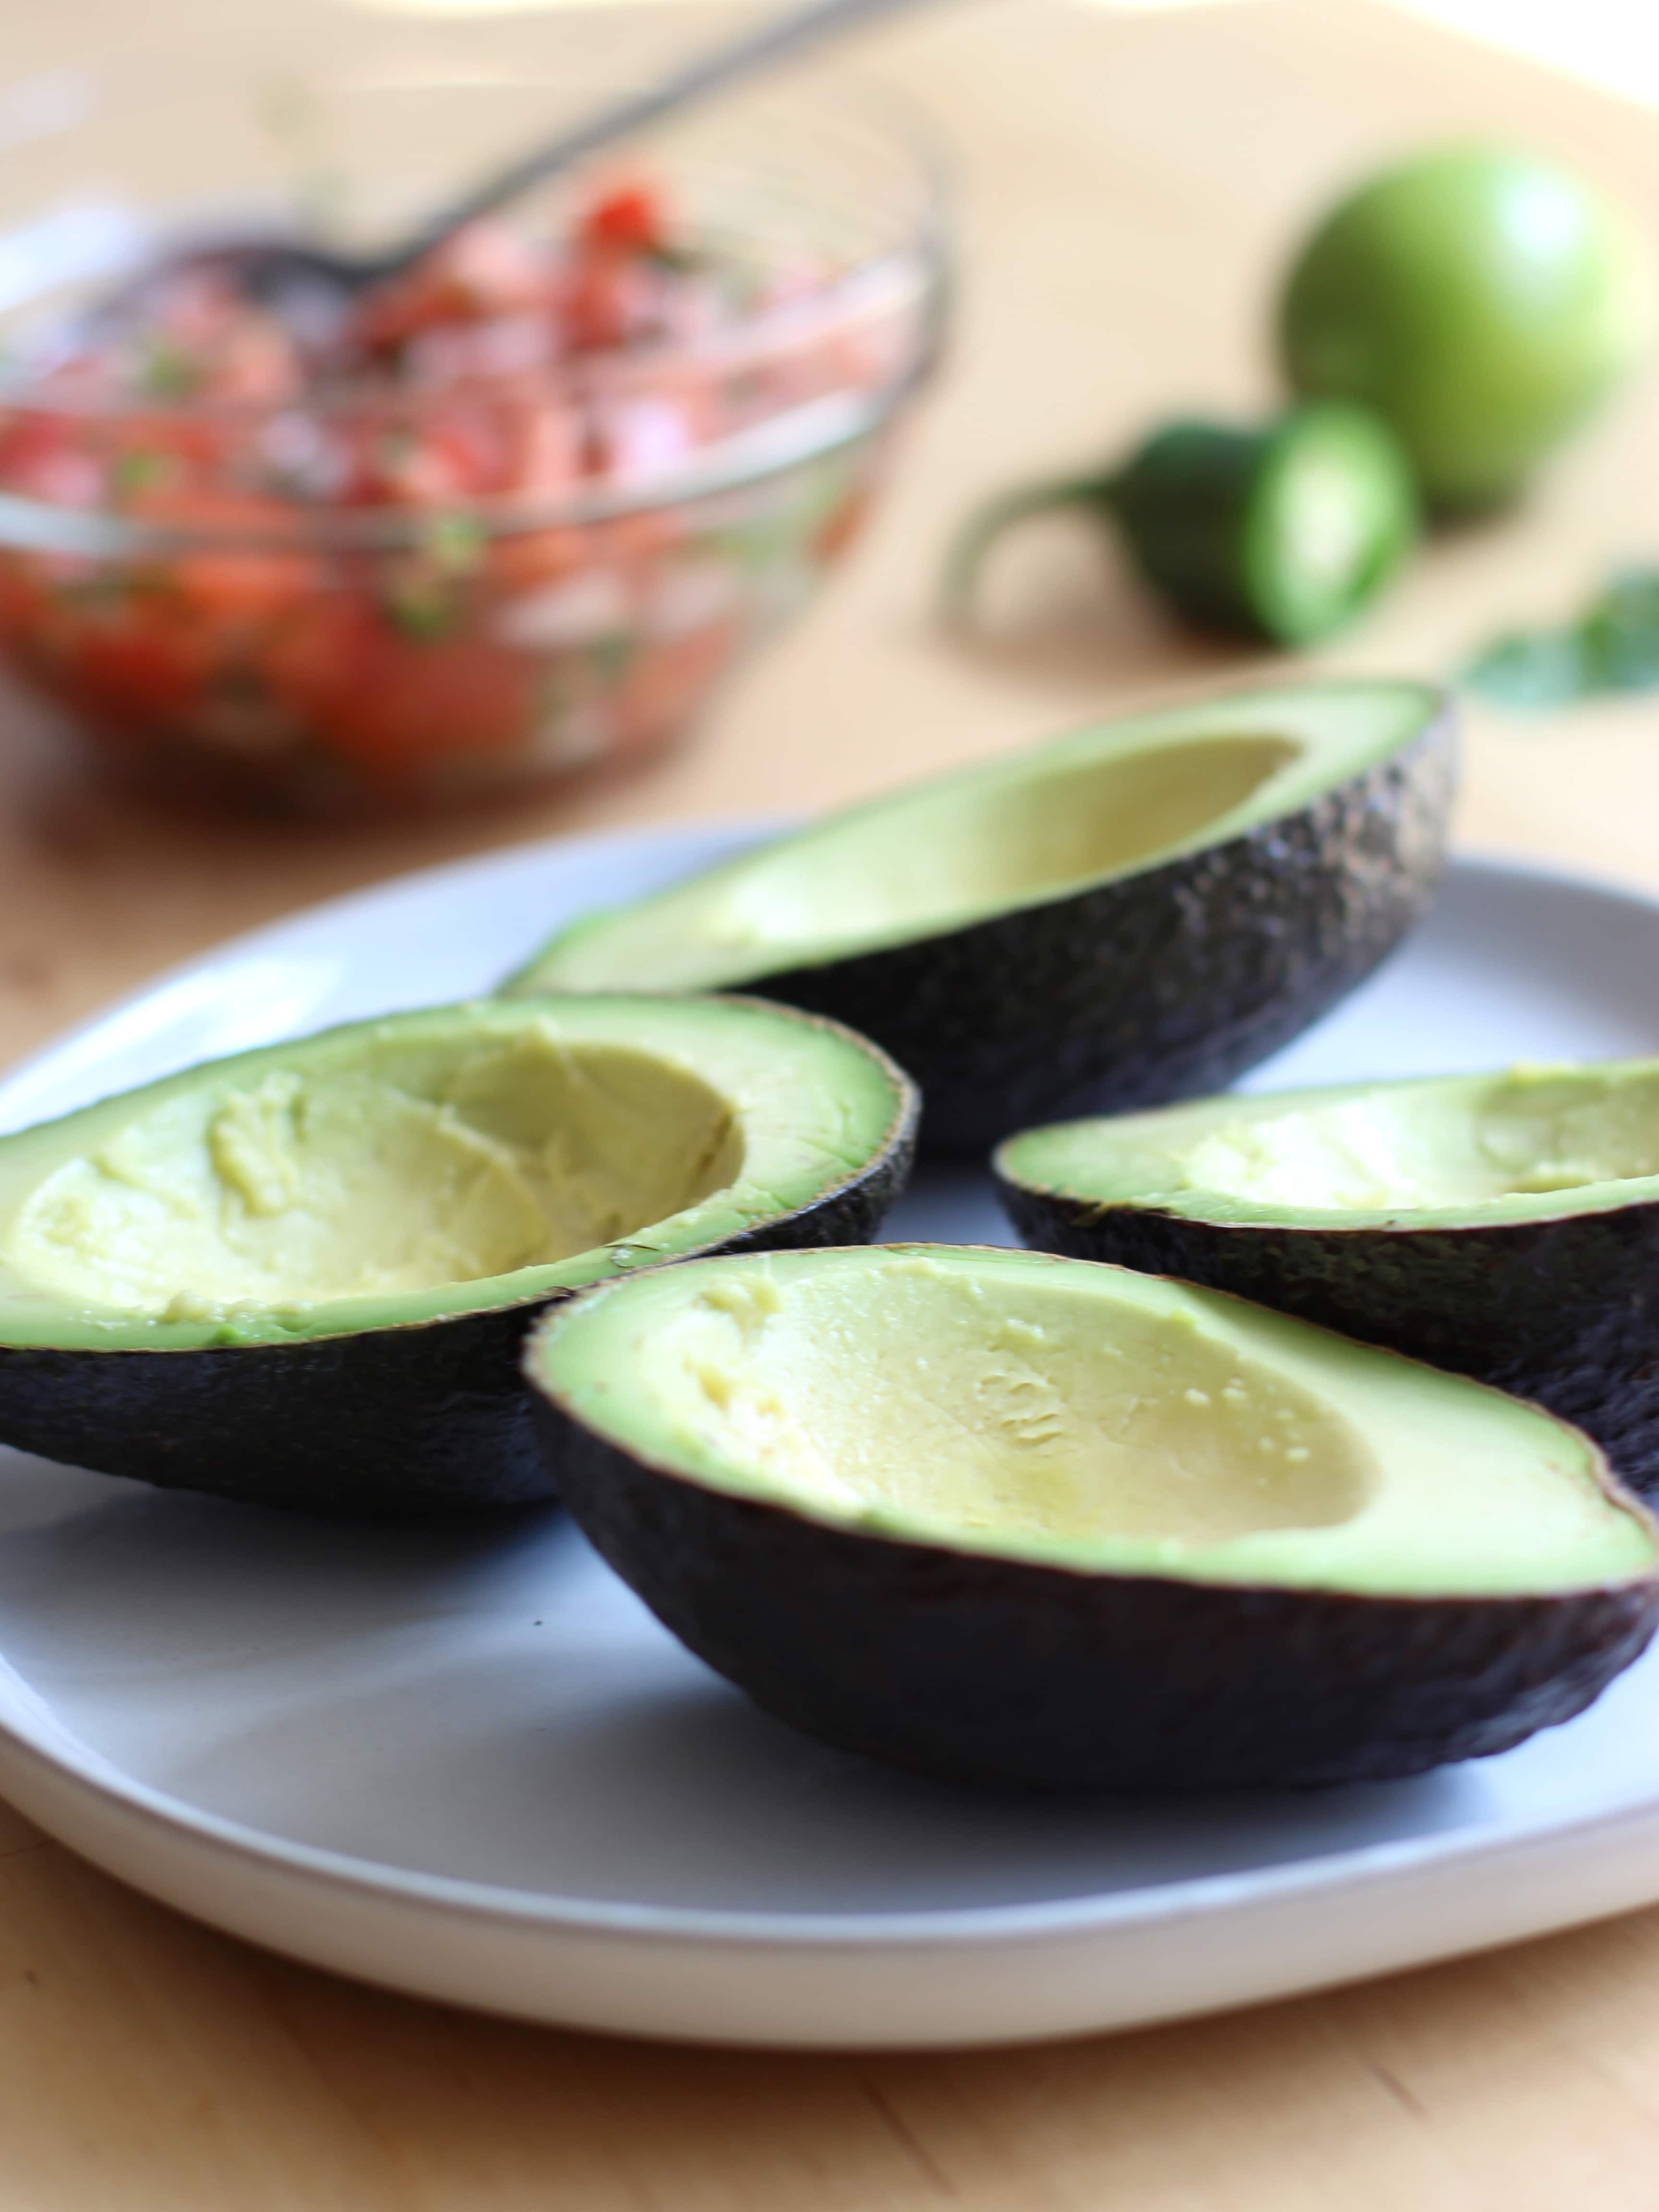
1194, 1899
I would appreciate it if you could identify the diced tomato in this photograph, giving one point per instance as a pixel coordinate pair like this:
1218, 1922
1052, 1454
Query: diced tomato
26, 601
841, 524
631, 219
139, 664
391, 704
484, 270
517, 561
609, 301
236, 583
44, 456
257, 364
549, 442
241, 589
631, 544
668, 683
434, 466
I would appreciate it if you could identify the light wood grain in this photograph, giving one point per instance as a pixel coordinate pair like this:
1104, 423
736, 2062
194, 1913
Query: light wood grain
1129, 185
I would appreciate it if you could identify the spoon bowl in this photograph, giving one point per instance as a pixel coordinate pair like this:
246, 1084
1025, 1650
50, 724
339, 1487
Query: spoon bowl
313, 284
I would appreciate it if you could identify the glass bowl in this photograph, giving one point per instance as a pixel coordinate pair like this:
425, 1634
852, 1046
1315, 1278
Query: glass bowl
183, 575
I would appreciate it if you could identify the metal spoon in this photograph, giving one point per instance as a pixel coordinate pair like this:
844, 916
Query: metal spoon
315, 283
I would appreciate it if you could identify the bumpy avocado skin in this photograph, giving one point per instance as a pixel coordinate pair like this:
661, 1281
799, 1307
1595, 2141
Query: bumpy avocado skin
1162, 986
1564, 1311
431, 1417
946, 1663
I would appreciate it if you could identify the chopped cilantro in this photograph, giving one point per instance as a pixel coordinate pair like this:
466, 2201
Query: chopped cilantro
166, 372
1612, 646
140, 470
1529, 668
423, 593
454, 543
679, 260
1619, 634
611, 654
421, 607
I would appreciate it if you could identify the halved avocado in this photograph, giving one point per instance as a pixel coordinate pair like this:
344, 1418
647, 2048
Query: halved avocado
1505, 1225
303, 1274
1133, 913
1019, 1520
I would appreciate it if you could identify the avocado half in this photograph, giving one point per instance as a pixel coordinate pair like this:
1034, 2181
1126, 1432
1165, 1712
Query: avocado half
1133, 913
1012, 1519
303, 1275
1505, 1225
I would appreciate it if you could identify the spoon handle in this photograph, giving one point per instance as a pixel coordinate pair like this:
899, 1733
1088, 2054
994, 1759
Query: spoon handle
773, 41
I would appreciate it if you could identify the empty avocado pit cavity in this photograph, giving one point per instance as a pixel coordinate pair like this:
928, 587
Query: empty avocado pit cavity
412, 1164
1009, 1403
1388, 1148
940, 857
1004, 1413
988, 846
1533, 1132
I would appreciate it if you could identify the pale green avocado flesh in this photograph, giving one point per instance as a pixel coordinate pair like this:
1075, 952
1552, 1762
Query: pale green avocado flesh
423, 1165
1022, 831
1527, 1142
1085, 1417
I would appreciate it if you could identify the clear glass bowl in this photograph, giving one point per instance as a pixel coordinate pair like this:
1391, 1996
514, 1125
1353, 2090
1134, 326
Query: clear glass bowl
318, 655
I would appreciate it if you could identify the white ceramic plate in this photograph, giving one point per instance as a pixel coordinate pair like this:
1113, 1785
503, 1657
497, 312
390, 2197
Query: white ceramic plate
465, 1761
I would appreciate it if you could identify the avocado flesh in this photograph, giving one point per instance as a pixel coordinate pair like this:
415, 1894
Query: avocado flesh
1090, 1418
939, 858
1020, 831
412, 1169
304, 1274
1505, 1225
404, 1168
1013, 1518
1515, 1145
1133, 914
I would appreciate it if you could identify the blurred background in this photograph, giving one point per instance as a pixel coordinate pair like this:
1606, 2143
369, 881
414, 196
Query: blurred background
993, 242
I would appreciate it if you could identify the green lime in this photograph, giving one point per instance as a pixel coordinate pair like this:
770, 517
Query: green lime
1481, 300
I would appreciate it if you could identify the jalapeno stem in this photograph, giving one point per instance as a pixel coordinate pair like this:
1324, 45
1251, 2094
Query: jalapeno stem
967, 557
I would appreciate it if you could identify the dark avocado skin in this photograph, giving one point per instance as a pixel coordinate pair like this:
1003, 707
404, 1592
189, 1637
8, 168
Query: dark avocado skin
1159, 986
946, 1663
1565, 1312
429, 1418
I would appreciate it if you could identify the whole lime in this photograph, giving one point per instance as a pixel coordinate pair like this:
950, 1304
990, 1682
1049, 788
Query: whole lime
1481, 300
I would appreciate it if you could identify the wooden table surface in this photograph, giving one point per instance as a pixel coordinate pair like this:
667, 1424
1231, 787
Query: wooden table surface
1128, 185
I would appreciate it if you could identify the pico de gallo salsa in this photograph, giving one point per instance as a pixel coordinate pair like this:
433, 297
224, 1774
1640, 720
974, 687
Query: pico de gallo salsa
458, 537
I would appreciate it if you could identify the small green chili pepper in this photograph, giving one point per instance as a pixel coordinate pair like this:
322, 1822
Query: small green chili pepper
1284, 534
